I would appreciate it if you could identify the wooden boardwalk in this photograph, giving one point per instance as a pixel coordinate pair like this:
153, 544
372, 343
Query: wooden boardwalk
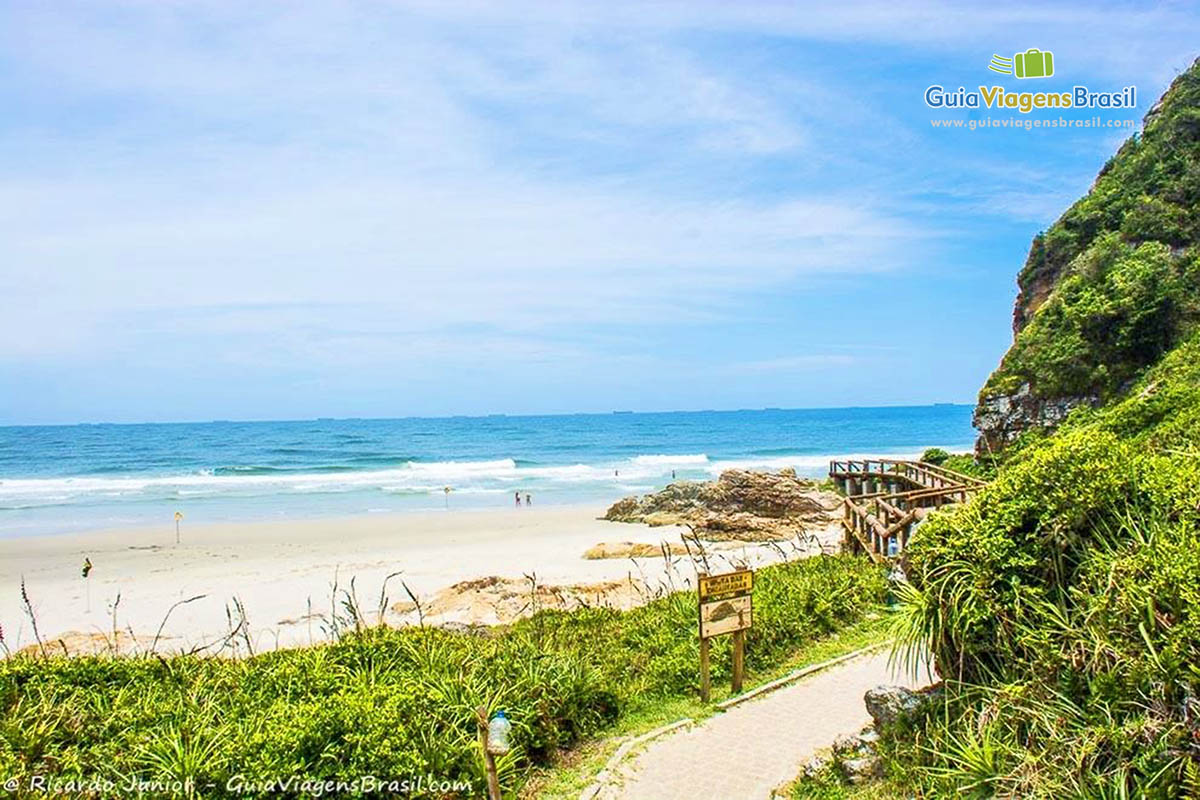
885, 499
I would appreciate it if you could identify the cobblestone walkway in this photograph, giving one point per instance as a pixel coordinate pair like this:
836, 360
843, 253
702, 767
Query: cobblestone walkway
746, 752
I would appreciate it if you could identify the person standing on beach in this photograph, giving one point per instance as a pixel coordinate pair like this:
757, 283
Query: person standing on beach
528, 500
517, 497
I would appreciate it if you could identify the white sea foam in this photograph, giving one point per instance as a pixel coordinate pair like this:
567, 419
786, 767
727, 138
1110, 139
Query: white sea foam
638, 473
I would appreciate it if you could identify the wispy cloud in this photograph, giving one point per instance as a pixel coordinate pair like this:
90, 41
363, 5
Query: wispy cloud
330, 184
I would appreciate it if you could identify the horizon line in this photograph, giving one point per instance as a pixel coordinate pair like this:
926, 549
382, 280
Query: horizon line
613, 412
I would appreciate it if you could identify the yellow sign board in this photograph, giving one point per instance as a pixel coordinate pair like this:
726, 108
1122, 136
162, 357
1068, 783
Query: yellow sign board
731, 584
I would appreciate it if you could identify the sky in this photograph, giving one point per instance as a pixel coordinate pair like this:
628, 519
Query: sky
218, 210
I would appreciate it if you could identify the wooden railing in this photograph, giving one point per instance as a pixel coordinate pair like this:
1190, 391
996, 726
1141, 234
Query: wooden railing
919, 472
886, 498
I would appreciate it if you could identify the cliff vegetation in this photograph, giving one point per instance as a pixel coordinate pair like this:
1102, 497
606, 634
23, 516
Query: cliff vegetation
1109, 288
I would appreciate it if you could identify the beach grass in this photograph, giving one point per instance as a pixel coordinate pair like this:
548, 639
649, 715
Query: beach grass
399, 704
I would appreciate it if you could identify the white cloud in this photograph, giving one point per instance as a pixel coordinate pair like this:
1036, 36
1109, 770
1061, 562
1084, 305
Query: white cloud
526, 166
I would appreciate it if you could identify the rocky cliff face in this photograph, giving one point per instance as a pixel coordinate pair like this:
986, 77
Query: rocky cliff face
1112, 286
1034, 285
1002, 418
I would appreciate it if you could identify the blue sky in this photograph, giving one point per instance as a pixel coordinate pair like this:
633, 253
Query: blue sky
267, 210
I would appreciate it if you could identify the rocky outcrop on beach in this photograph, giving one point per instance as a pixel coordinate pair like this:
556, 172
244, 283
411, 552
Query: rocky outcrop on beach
634, 550
495, 600
659, 550
79, 643
741, 505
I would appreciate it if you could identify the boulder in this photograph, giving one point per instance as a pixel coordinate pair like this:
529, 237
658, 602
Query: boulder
495, 600
887, 704
741, 504
847, 745
633, 550
862, 770
624, 510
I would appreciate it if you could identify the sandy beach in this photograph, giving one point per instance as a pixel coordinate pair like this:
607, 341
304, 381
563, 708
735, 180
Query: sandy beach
277, 569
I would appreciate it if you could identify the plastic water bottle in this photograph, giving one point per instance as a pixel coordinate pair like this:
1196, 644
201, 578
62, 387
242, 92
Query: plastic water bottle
498, 730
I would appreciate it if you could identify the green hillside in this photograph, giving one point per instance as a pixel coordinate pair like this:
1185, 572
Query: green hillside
1063, 603
1114, 283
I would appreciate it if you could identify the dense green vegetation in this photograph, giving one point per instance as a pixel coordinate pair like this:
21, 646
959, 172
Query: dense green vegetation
396, 703
1124, 278
963, 463
1062, 605
1063, 609
1121, 308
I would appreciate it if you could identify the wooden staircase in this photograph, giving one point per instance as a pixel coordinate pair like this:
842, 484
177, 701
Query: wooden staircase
885, 499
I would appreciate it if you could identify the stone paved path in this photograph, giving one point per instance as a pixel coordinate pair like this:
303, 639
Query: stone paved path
744, 753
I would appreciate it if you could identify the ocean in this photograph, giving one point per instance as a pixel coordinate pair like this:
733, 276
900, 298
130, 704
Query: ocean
70, 478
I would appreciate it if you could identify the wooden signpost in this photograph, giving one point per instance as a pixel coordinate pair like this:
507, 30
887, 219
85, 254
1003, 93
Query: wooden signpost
726, 606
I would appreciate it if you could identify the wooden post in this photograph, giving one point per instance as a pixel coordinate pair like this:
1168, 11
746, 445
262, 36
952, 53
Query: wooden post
739, 659
489, 761
705, 677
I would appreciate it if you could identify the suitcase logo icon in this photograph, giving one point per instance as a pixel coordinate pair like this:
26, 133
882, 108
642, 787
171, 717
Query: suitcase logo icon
1033, 63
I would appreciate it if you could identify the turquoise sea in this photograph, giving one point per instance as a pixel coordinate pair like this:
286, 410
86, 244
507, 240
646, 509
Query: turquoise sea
65, 478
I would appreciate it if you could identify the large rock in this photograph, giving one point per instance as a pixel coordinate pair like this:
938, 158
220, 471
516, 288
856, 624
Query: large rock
495, 600
863, 769
857, 756
634, 550
741, 504
888, 704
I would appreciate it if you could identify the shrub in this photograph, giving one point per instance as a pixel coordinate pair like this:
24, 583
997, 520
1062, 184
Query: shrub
935, 455
1063, 608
